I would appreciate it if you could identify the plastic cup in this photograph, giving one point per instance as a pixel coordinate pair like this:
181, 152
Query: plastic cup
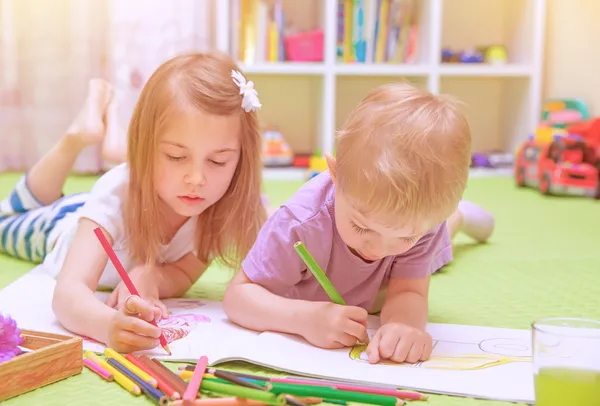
566, 362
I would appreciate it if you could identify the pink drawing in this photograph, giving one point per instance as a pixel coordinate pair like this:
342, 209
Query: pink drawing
178, 326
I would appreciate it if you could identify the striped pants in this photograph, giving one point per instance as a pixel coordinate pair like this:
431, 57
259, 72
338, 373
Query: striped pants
25, 223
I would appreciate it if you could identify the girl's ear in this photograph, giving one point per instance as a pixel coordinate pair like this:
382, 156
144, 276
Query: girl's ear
331, 165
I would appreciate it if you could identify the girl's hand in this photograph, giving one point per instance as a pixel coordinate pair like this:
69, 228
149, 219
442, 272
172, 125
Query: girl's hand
146, 282
330, 325
399, 343
129, 329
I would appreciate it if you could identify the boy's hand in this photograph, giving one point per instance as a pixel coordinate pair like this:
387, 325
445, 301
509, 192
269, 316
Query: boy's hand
146, 282
129, 329
329, 325
399, 343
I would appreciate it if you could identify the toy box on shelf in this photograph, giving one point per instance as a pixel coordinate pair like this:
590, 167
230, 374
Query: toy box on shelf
562, 156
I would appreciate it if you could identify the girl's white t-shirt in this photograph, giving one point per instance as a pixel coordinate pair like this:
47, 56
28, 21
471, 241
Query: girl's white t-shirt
104, 206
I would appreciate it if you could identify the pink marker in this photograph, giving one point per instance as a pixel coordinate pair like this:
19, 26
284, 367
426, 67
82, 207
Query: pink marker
98, 369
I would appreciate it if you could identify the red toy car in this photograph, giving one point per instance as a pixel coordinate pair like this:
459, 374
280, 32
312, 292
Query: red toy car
564, 166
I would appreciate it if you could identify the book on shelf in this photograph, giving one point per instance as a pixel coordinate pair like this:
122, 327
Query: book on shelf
260, 30
377, 31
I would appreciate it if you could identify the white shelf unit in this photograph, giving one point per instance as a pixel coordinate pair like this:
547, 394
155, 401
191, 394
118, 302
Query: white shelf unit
311, 100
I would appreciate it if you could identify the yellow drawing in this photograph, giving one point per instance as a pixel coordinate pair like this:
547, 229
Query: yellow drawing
461, 356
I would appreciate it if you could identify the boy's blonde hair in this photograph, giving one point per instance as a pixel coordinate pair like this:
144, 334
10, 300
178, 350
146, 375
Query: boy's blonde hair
404, 155
228, 228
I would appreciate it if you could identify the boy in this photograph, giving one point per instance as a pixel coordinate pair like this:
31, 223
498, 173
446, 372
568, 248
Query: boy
381, 218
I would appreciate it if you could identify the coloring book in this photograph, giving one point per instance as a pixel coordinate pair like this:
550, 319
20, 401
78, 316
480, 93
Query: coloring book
481, 362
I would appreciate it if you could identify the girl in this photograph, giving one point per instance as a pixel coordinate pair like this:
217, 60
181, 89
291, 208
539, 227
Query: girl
189, 194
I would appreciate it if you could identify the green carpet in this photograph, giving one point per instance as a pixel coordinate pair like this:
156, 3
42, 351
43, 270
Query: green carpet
542, 261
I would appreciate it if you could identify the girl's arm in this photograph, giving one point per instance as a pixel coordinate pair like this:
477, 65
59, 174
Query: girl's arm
74, 302
80, 311
177, 278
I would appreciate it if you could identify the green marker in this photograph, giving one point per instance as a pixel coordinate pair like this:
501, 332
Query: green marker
318, 273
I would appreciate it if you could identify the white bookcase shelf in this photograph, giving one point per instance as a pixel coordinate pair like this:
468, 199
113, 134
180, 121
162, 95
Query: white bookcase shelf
503, 101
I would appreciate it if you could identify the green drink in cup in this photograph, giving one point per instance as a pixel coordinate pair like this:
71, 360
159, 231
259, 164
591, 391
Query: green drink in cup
566, 362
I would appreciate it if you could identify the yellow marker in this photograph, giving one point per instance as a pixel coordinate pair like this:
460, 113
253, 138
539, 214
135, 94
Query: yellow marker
121, 379
110, 353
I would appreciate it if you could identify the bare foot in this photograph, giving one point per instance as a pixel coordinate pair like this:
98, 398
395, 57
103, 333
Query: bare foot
88, 126
114, 146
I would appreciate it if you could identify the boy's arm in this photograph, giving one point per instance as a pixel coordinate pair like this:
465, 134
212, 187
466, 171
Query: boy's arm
408, 290
254, 307
406, 302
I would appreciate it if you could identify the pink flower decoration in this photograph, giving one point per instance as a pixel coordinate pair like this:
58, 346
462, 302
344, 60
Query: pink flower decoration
10, 339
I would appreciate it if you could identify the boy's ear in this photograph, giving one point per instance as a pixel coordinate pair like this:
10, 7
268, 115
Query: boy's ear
331, 165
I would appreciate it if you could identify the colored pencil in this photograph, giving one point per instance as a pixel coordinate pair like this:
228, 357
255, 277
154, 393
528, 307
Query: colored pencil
311, 400
230, 389
92, 366
327, 392
292, 401
316, 270
175, 381
119, 378
227, 401
212, 371
158, 371
241, 375
163, 384
193, 387
366, 388
233, 378
154, 394
125, 277
356, 388
295, 400
110, 353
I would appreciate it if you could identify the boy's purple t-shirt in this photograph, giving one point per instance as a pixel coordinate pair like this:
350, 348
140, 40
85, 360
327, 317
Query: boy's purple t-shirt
309, 217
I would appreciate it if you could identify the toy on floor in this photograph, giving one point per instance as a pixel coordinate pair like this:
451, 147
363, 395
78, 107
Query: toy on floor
589, 131
565, 166
493, 159
10, 339
560, 113
316, 165
275, 150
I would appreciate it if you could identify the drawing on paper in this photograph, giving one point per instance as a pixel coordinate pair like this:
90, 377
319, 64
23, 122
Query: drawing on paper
178, 325
463, 356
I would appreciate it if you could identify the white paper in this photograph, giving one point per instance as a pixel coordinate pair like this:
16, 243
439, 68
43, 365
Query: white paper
482, 362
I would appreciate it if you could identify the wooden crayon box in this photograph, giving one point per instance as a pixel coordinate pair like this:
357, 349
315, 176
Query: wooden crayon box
53, 357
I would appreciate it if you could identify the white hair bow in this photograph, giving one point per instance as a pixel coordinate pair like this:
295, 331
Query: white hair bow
250, 100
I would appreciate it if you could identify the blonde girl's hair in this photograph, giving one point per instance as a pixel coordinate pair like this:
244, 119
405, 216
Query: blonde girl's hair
227, 229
